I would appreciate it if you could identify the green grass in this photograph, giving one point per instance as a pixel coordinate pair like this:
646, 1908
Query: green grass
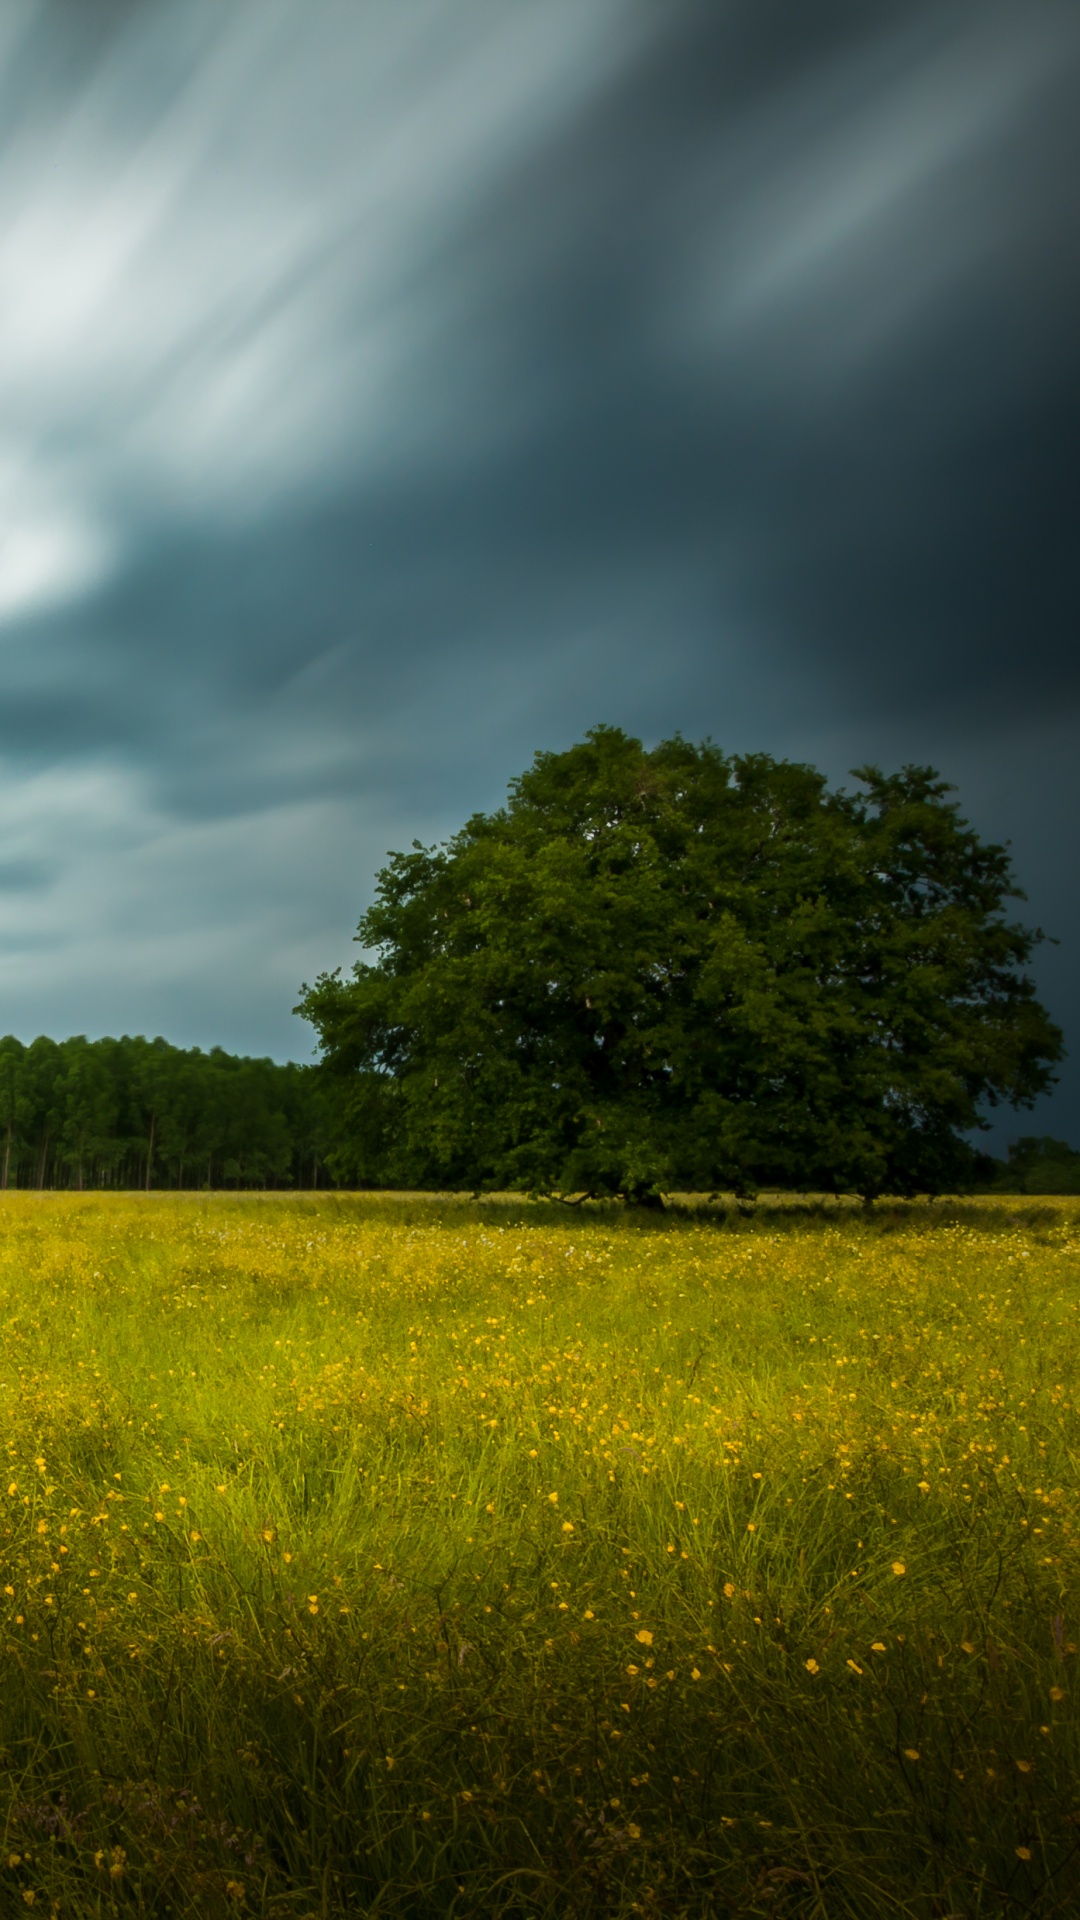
404, 1558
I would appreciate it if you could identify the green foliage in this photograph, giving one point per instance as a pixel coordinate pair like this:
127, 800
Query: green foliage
674, 969
134, 1112
1042, 1165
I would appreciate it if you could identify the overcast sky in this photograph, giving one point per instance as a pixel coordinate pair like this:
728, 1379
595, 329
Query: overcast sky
388, 391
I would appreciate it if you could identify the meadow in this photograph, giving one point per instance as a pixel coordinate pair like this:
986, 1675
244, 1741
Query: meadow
380, 1557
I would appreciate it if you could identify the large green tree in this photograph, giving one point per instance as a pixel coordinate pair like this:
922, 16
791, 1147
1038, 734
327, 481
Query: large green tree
676, 969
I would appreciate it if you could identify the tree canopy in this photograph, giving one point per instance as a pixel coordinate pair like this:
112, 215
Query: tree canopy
677, 969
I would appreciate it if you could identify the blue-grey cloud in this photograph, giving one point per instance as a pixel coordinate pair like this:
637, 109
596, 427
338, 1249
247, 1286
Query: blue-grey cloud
385, 393
24, 876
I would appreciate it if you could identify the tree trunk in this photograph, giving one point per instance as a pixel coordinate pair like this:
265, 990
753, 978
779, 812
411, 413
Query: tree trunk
7, 1161
41, 1162
150, 1150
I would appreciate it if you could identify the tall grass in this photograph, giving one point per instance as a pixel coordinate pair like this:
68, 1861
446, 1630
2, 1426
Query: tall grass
414, 1559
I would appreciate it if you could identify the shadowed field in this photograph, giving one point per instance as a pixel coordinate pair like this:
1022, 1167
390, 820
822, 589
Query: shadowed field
406, 1558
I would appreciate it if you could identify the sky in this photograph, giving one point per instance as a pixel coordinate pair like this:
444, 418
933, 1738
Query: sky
388, 392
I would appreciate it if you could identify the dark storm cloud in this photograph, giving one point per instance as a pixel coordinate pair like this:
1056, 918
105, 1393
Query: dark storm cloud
708, 399
384, 395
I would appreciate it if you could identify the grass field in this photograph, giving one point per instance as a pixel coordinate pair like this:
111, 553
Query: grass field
372, 1557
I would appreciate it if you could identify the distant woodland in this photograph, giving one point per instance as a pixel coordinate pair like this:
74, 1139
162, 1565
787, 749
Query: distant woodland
131, 1112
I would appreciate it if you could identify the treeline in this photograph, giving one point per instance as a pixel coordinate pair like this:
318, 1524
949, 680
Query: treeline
140, 1113
1036, 1164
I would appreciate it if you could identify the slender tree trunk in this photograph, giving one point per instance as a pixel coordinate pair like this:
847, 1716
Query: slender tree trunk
150, 1150
41, 1161
7, 1160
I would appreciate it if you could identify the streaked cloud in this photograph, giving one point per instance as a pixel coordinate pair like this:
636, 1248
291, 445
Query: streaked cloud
862, 185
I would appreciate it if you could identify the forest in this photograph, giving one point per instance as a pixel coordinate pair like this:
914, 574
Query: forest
137, 1113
